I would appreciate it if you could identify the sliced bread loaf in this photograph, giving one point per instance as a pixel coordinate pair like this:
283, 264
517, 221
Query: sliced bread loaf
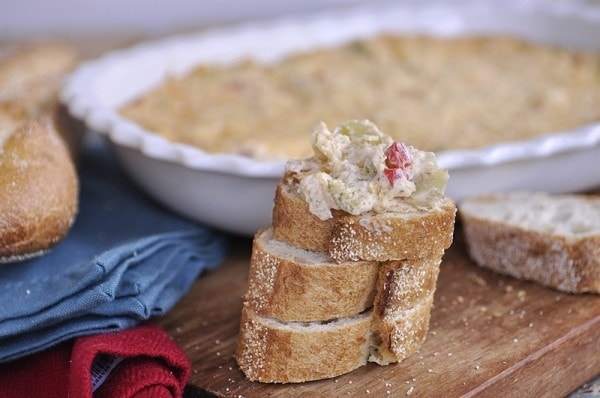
293, 284
379, 237
277, 352
347, 273
272, 351
553, 240
298, 285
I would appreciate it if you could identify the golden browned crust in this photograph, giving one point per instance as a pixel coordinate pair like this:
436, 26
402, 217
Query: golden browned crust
273, 352
372, 237
402, 307
38, 190
30, 78
398, 334
295, 285
294, 350
388, 237
293, 223
292, 284
35, 66
14, 112
403, 284
311, 278
553, 261
38, 181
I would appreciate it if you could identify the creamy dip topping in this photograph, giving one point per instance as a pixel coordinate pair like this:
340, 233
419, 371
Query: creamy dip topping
358, 168
240, 108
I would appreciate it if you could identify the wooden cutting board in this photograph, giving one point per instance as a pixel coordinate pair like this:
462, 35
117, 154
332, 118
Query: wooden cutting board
489, 336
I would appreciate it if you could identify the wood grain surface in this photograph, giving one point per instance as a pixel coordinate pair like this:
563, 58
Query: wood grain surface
490, 335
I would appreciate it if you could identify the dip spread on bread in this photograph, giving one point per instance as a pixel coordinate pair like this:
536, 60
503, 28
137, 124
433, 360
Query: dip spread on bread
358, 168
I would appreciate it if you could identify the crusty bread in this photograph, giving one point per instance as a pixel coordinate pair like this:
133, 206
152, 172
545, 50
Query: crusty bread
293, 222
27, 65
276, 352
288, 283
399, 332
401, 285
378, 237
38, 190
293, 284
330, 290
30, 77
393, 236
304, 312
553, 240
38, 180
271, 351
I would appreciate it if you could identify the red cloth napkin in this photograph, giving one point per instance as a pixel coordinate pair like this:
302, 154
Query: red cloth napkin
152, 366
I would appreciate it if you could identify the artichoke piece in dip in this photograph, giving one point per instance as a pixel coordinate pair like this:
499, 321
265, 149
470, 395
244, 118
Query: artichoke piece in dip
358, 169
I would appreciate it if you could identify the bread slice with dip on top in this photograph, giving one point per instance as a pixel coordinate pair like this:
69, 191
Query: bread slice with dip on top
364, 197
347, 273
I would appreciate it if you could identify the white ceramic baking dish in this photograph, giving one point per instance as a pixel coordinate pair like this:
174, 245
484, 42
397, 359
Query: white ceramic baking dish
235, 193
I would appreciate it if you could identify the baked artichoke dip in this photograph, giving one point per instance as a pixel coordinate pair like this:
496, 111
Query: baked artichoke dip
357, 168
441, 94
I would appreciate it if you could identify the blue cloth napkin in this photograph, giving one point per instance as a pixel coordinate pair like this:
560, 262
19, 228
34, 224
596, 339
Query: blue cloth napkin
126, 259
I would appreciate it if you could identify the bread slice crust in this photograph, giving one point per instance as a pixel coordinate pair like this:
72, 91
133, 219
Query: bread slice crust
401, 285
39, 186
296, 285
38, 190
397, 334
562, 261
371, 237
295, 350
273, 352
293, 284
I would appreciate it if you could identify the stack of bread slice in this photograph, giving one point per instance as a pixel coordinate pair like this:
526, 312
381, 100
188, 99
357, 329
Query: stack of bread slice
326, 296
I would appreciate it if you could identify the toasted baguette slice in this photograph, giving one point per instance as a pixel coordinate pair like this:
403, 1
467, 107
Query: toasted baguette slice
398, 333
276, 352
297, 285
401, 285
271, 351
293, 284
551, 240
402, 306
293, 222
372, 237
